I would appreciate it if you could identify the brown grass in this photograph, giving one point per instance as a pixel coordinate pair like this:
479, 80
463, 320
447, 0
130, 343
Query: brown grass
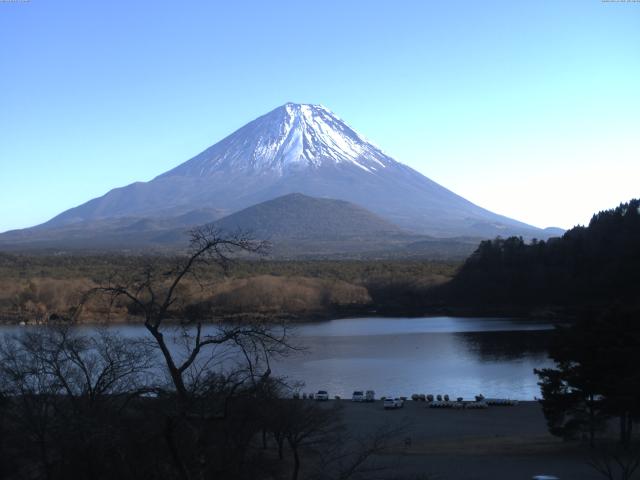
34, 288
269, 293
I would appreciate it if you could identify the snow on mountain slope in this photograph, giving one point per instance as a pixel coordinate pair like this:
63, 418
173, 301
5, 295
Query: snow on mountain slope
305, 149
288, 138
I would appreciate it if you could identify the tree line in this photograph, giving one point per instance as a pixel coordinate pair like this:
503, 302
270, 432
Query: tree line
587, 267
187, 401
591, 276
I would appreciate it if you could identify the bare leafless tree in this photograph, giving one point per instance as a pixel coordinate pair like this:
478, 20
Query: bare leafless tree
352, 458
84, 368
306, 426
155, 295
316, 435
61, 383
618, 464
207, 365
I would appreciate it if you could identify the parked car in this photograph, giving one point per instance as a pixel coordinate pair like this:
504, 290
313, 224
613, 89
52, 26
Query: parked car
369, 396
392, 403
322, 395
358, 396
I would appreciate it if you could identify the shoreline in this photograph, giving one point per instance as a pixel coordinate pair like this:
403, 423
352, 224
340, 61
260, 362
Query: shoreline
548, 315
500, 443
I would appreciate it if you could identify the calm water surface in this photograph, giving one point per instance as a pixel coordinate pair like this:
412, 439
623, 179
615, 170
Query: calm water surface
402, 356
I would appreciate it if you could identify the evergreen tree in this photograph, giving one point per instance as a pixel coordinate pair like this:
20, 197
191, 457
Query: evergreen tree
592, 266
595, 377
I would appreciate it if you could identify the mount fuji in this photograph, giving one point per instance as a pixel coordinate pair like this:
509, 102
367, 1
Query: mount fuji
296, 148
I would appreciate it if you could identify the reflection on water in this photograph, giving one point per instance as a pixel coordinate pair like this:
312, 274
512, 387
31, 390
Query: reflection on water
402, 356
509, 345
389, 325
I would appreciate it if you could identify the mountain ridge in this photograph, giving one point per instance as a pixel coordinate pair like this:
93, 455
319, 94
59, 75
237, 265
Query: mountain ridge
297, 227
298, 148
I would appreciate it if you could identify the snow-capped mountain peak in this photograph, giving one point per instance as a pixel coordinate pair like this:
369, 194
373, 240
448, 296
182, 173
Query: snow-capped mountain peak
290, 138
305, 149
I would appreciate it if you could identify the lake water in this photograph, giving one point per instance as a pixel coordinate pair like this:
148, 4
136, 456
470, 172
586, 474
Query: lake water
401, 356
438, 355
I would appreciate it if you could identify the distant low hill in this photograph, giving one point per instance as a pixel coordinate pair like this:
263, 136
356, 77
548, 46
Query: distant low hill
595, 265
297, 216
300, 226
297, 225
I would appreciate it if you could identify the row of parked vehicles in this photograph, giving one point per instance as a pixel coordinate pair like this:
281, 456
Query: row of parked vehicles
365, 396
358, 396
439, 401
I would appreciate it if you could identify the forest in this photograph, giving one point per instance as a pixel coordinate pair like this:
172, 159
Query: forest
588, 267
34, 288
196, 403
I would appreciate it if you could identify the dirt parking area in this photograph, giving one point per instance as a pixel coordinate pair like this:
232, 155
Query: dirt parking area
499, 443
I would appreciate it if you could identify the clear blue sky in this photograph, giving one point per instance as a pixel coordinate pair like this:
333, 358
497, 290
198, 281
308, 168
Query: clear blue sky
531, 109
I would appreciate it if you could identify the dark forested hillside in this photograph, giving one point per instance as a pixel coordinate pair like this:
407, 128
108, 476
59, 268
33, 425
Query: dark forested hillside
300, 216
594, 265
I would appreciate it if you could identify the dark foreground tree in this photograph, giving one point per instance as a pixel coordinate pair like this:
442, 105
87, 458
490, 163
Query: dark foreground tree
156, 296
572, 391
616, 464
595, 377
215, 369
65, 398
314, 436
589, 266
192, 401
